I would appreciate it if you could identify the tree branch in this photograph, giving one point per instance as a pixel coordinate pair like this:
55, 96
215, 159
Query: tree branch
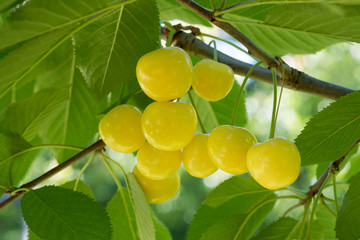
95, 147
298, 81
334, 166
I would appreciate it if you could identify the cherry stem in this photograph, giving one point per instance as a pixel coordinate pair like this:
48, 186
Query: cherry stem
278, 104
327, 207
197, 113
242, 87
213, 5
306, 212
230, 43
215, 50
273, 118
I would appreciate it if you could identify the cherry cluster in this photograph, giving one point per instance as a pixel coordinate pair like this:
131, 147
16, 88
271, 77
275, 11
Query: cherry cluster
165, 135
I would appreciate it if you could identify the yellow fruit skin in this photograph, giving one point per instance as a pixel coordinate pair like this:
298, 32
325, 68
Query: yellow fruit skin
120, 129
169, 126
165, 74
158, 191
228, 146
196, 158
275, 163
212, 80
157, 164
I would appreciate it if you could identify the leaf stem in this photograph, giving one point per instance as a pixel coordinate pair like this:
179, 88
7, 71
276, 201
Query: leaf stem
41, 147
83, 169
313, 210
118, 165
94, 147
230, 43
273, 118
335, 192
197, 113
233, 118
122, 193
256, 207
306, 212
328, 208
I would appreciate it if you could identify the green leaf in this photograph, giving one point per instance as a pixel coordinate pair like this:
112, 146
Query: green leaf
81, 187
76, 122
347, 223
283, 228
109, 49
146, 229
13, 168
218, 113
122, 216
58, 213
34, 115
284, 27
170, 10
37, 18
323, 225
7, 4
337, 123
36, 29
232, 204
2, 191
162, 232
237, 187
239, 226
32, 235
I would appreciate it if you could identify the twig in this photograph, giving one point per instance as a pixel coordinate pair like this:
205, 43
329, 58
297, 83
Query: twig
95, 147
298, 81
253, 49
314, 189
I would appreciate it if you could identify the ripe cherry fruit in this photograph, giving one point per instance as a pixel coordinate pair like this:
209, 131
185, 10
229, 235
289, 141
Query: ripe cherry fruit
196, 158
165, 74
157, 164
228, 146
212, 80
120, 129
169, 126
158, 191
274, 163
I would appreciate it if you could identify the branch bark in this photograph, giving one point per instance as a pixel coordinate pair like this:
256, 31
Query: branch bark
334, 166
95, 147
298, 81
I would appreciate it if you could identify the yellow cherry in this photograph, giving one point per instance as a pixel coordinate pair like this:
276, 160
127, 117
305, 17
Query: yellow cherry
228, 146
165, 74
120, 129
196, 158
158, 191
274, 163
212, 80
169, 126
157, 164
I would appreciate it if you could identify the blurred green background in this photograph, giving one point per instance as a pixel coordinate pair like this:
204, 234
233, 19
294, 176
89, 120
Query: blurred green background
339, 64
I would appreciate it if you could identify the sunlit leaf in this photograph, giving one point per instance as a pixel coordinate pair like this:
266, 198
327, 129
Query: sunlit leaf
283, 228
347, 223
331, 132
59, 213
109, 49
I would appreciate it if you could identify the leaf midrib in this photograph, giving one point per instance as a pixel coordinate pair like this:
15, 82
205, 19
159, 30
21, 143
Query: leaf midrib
56, 214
